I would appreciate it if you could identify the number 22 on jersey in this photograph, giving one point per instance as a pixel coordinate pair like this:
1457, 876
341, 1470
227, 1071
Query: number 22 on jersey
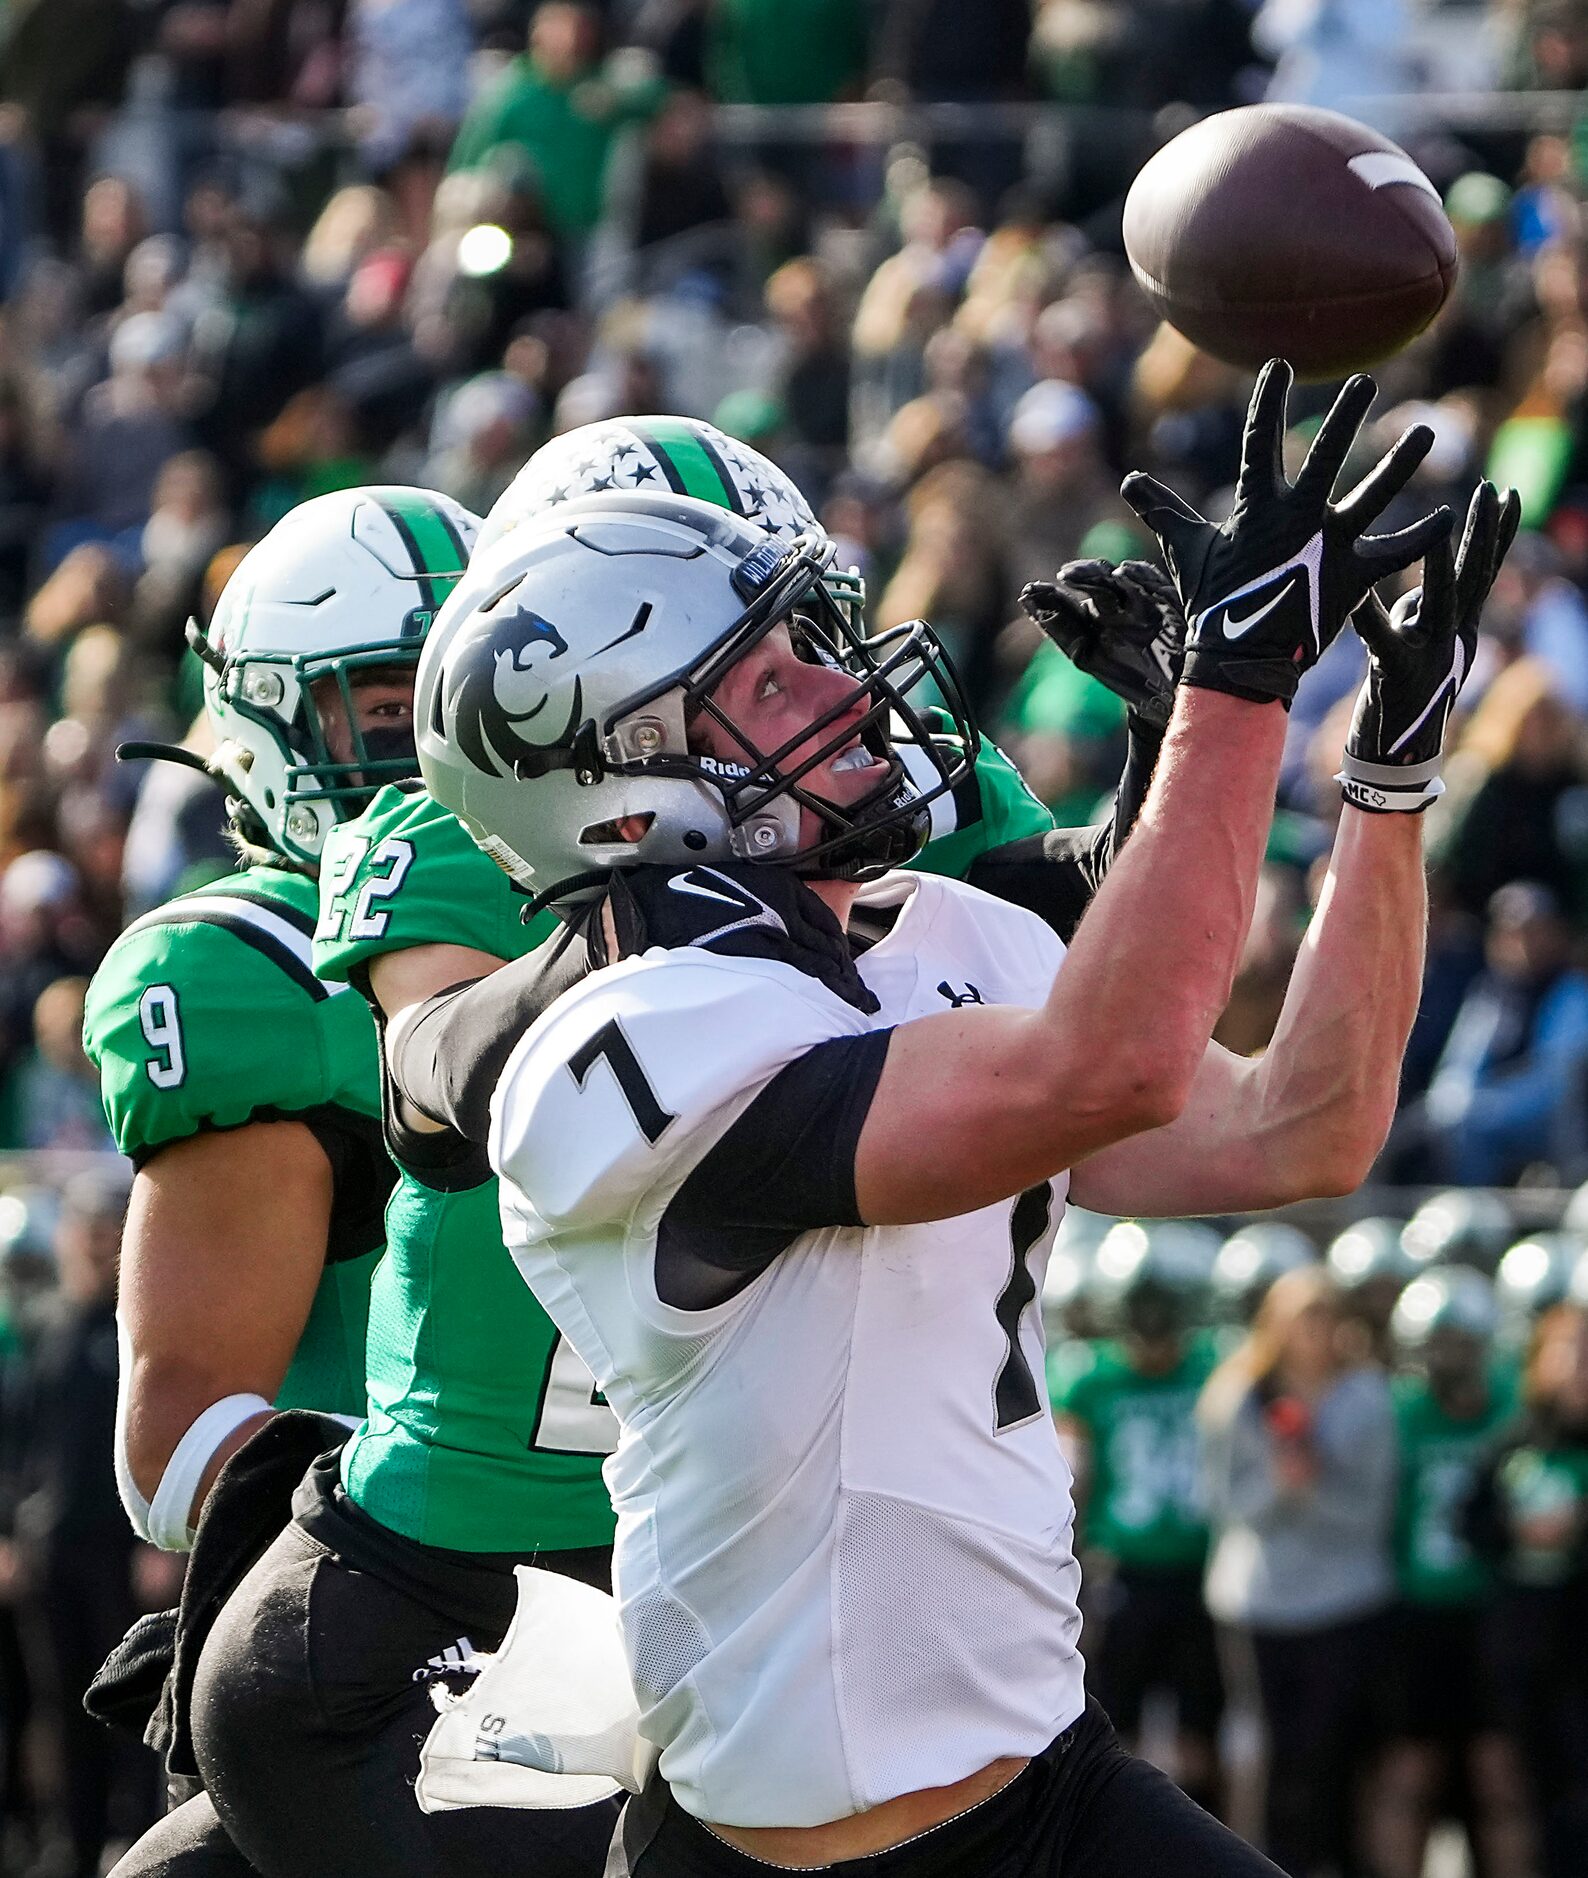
366, 918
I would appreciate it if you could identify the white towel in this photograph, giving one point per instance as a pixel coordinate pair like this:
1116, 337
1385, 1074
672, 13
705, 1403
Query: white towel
551, 1721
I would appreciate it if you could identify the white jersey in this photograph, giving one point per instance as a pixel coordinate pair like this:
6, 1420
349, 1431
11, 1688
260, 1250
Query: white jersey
844, 1558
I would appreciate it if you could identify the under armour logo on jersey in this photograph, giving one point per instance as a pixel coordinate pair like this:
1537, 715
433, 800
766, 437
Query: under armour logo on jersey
970, 995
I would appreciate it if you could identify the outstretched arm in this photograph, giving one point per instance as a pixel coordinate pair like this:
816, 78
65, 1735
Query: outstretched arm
1307, 1118
973, 1106
1126, 628
977, 1104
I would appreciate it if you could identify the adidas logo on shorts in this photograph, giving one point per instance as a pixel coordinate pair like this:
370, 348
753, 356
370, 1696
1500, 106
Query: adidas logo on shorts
457, 1659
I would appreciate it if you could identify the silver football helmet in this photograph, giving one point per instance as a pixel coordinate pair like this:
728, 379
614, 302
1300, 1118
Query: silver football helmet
654, 455
1449, 1299
557, 686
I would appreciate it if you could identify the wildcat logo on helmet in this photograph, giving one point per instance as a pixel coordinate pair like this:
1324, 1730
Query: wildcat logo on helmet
500, 686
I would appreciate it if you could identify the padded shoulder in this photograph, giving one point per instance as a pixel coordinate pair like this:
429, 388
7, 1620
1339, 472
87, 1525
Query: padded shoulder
406, 873
206, 1014
613, 1097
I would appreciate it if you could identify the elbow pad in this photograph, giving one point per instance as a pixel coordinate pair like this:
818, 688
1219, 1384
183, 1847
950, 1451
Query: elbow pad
136, 1505
173, 1498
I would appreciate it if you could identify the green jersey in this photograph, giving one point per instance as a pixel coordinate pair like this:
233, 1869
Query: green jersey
1440, 1459
206, 1014
991, 806
1144, 1504
483, 1432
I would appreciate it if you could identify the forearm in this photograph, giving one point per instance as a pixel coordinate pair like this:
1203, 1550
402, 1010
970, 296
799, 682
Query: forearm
222, 1254
444, 1055
175, 1430
975, 1105
1154, 960
1325, 1091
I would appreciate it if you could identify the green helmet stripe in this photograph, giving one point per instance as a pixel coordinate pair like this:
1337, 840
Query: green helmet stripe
433, 544
689, 463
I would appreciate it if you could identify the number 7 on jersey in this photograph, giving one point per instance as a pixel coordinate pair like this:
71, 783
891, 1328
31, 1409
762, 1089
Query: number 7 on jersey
609, 1045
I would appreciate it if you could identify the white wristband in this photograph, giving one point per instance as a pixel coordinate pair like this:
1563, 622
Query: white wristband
1387, 788
173, 1498
137, 1506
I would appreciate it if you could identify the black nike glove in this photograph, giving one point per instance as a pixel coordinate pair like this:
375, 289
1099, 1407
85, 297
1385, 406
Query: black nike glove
1270, 589
1123, 625
1419, 656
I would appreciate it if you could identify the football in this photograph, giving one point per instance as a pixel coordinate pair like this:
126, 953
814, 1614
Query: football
1283, 231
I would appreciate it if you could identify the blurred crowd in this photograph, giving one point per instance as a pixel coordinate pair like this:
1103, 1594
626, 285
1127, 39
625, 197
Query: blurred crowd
255, 250
1340, 1489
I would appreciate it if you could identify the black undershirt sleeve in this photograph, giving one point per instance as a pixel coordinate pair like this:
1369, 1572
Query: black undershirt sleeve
451, 1055
786, 1166
1056, 875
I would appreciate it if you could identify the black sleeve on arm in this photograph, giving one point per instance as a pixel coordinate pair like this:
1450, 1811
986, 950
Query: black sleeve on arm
786, 1166
450, 1056
1055, 875
1142, 745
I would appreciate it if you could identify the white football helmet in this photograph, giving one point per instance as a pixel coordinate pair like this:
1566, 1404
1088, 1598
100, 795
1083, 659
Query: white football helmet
343, 583
555, 691
655, 455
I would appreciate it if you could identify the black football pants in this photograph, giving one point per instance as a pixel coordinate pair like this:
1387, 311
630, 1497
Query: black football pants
189, 1842
307, 1723
1084, 1808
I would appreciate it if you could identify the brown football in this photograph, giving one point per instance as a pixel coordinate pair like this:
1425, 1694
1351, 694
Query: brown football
1282, 231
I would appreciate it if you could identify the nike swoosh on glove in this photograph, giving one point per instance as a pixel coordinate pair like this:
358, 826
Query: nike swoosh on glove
1419, 656
1124, 626
1270, 589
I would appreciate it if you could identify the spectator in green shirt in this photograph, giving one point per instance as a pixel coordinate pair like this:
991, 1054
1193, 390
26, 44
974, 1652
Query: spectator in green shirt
564, 109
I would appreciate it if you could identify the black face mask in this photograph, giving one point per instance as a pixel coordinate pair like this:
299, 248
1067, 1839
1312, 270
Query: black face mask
388, 743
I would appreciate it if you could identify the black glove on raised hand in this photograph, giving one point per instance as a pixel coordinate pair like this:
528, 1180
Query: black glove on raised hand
1124, 626
1419, 655
1270, 589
